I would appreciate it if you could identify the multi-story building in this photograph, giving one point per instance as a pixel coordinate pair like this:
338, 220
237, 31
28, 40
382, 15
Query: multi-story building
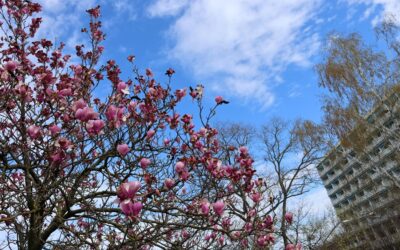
364, 185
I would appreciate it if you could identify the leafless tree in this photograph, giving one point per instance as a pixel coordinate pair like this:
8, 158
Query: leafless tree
292, 150
288, 152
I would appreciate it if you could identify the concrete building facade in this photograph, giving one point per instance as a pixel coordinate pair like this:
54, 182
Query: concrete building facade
364, 185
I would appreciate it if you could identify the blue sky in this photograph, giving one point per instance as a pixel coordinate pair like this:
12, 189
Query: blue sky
258, 54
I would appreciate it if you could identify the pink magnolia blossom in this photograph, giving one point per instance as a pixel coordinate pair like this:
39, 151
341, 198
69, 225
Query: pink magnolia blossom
262, 241
80, 114
132, 106
221, 240
65, 92
219, 99
248, 227
185, 234
123, 149
150, 134
11, 66
252, 213
180, 93
169, 183
226, 223
131, 58
54, 129
95, 126
271, 238
85, 114
56, 158
144, 163
111, 113
268, 221
179, 167
293, 247
22, 89
237, 234
243, 150
131, 209
256, 197
33, 132
229, 187
127, 190
170, 72
289, 217
115, 115
149, 73
205, 207
219, 207
166, 142
64, 143
184, 175
95, 12
82, 223
123, 88
17, 176
80, 104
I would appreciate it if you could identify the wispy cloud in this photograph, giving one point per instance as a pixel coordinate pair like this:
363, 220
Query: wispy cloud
318, 200
125, 8
385, 7
295, 91
62, 20
241, 47
166, 7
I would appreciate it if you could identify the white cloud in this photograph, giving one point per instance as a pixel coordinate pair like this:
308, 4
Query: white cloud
125, 8
63, 17
388, 7
166, 7
295, 91
318, 200
241, 47
57, 6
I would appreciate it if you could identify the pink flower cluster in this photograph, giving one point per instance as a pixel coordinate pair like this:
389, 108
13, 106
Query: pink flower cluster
86, 114
182, 171
290, 246
126, 194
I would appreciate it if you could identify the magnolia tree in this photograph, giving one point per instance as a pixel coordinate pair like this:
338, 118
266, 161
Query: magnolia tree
117, 171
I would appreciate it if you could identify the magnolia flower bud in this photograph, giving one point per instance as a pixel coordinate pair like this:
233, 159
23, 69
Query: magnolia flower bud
131, 209
169, 183
289, 217
219, 99
127, 190
256, 197
144, 163
205, 207
150, 134
11, 65
54, 129
219, 207
179, 167
123, 149
123, 88
33, 132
